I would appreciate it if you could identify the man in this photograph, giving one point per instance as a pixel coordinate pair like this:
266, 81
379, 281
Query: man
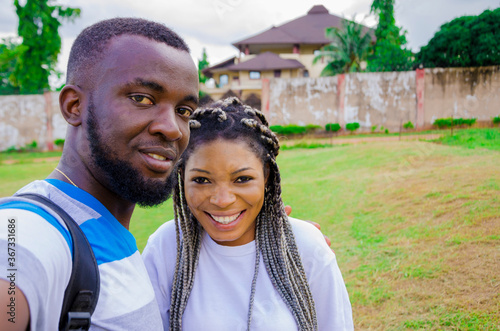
131, 87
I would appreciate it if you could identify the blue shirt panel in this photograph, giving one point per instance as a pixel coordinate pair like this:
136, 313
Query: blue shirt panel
48, 217
110, 240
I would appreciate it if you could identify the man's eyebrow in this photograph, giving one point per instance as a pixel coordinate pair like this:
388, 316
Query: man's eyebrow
192, 98
159, 88
199, 170
147, 83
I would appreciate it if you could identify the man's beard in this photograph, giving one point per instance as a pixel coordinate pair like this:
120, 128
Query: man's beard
119, 175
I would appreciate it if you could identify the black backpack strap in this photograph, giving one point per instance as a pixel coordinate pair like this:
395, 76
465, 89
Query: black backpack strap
82, 292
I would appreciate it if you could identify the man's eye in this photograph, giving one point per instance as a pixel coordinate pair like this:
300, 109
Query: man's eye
141, 99
200, 180
184, 111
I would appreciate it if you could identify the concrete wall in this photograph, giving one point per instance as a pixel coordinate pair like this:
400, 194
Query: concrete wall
302, 101
462, 93
24, 118
386, 99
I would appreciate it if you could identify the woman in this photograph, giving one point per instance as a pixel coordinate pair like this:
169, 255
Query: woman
240, 262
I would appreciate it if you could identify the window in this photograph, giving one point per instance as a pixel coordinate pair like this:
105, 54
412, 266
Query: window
277, 73
254, 74
306, 73
223, 80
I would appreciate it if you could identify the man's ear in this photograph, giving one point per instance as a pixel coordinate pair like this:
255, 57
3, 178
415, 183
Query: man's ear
70, 102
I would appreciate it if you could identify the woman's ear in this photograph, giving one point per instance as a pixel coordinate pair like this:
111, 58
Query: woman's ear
70, 102
267, 170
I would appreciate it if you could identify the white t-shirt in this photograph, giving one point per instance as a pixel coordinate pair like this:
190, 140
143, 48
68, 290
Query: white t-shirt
43, 260
221, 291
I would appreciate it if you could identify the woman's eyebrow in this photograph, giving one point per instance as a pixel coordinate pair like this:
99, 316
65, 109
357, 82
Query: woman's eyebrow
240, 170
199, 170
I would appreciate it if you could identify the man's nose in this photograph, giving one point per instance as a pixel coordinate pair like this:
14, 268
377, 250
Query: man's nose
167, 124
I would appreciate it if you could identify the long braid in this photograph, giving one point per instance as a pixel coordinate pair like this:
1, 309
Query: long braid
274, 239
187, 255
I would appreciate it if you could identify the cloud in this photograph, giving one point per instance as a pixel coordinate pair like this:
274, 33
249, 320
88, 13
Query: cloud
216, 24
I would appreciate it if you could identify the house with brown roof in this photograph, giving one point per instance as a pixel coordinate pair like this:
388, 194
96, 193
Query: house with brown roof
284, 51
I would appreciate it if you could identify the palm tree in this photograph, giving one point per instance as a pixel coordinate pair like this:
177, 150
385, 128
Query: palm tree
348, 49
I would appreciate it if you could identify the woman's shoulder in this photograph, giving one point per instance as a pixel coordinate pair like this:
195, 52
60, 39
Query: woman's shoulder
311, 243
305, 232
163, 236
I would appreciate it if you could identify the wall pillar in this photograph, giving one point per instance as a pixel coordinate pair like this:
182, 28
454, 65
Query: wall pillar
49, 135
265, 98
420, 86
341, 98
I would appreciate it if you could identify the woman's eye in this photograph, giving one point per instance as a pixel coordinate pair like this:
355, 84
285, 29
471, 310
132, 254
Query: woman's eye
200, 180
184, 111
141, 99
243, 179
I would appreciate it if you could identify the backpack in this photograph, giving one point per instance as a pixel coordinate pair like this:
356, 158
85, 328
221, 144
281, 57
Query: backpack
82, 292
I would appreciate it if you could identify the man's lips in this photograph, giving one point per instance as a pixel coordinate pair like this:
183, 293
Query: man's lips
159, 159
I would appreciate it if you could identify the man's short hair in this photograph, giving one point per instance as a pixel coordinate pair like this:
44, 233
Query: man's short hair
88, 48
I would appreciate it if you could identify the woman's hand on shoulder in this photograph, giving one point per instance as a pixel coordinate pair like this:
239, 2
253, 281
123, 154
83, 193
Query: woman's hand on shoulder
288, 211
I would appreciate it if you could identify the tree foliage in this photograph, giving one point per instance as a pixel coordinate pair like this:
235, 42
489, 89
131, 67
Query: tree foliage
348, 49
10, 49
36, 57
466, 41
389, 53
202, 64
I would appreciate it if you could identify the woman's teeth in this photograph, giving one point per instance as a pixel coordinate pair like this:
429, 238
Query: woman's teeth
225, 219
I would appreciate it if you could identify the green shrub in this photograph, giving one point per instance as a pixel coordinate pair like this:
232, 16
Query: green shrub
374, 128
386, 131
305, 145
464, 121
313, 127
334, 127
31, 146
288, 129
443, 123
276, 128
496, 120
448, 122
59, 142
352, 126
408, 125
11, 149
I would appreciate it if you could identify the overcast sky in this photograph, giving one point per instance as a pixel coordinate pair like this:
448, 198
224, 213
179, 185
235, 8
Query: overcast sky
215, 24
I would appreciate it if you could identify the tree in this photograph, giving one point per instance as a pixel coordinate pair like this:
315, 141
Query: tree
348, 49
9, 52
466, 41
39, 23
202, 64
389, 53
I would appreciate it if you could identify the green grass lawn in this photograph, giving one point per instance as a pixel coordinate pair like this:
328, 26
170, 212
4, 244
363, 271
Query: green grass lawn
415, 226
473, 138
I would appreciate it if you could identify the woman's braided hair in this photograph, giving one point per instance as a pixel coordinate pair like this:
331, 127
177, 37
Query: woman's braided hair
229, 119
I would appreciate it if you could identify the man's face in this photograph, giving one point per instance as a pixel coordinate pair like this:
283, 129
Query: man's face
138, 117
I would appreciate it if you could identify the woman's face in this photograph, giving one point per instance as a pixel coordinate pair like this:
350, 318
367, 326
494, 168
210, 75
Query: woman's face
224, 187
